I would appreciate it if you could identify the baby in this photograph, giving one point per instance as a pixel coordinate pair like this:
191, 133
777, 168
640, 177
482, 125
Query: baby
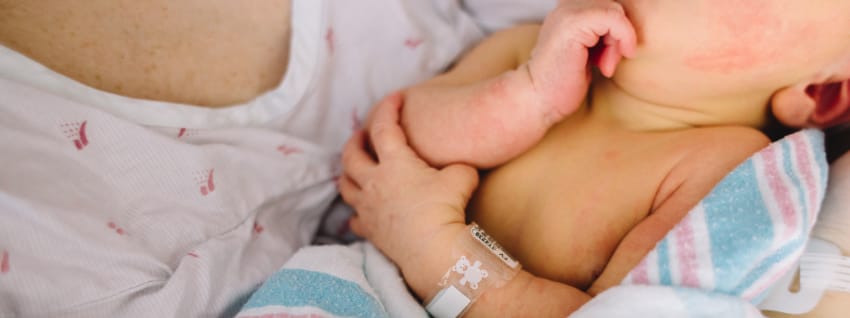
582, 186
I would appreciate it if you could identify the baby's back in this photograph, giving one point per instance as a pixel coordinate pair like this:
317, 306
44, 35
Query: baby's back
592, 198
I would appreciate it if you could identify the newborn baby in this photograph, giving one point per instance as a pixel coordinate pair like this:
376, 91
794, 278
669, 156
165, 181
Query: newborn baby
586, 178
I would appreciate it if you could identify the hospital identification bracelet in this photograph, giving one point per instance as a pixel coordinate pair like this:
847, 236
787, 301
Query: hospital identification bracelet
482, 264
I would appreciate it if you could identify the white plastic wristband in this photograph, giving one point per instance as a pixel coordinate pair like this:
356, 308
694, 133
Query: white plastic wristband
481, 265
822, 268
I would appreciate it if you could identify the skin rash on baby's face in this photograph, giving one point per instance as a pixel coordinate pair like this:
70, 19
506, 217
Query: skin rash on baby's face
748, 34
724, 36
696, 50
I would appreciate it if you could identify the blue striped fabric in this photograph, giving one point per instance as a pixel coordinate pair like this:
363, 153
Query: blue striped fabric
750, 229
296, 288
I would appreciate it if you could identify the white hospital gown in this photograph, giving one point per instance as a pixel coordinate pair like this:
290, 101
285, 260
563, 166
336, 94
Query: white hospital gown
112, 206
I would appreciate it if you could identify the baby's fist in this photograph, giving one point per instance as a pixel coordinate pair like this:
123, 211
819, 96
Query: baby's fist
560, 64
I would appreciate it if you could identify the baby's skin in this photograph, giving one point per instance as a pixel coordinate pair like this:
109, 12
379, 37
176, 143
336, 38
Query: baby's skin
579, 188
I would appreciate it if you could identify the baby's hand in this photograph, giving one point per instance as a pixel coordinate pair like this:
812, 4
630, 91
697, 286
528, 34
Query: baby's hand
560, 63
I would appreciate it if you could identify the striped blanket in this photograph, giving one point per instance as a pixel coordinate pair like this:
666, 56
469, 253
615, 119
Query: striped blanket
719, 261
726, 254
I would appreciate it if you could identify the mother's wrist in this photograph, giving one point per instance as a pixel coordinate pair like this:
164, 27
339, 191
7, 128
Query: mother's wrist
456, 267
425, 263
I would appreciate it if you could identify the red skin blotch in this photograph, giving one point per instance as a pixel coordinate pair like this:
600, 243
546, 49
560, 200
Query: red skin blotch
747, 34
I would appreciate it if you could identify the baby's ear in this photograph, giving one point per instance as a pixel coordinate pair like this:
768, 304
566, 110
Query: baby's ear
792, 106
817, 105
832, 102
822, 103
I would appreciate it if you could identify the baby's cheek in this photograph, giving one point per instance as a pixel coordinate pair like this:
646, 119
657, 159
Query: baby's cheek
743, 35
726, 60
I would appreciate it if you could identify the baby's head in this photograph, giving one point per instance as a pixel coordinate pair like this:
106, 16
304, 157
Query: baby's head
728, 58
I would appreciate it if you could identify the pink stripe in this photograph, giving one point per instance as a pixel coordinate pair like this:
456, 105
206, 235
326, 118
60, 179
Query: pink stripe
804, 165
779, 189
687, 253
640, 274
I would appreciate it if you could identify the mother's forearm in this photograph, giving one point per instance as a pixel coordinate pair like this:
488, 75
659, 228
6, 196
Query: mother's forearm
527, 295
523, 296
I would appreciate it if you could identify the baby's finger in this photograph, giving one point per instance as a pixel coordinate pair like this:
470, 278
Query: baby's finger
355, 160
624, 33
609, 59
614, 24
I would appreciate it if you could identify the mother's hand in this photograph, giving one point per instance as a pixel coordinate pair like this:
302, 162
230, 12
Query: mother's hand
400, 201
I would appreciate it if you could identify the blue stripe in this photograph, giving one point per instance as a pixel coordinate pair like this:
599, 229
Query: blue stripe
740, 227
799, 187
302, 288
819, 147
791, 247
664, 275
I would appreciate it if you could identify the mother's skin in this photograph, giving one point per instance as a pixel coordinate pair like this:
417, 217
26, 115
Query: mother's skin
201, 52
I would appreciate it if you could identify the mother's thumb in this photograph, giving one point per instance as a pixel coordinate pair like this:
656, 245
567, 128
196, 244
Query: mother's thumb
463, 176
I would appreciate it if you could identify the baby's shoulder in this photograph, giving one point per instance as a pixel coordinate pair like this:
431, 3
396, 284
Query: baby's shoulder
704, 156
714, 145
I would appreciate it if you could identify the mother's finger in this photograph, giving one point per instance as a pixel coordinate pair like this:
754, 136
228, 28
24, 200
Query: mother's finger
349, 190
357, 227
356, 161
386, 134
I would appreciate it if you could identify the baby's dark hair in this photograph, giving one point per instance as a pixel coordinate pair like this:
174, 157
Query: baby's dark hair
837, 138
837, 142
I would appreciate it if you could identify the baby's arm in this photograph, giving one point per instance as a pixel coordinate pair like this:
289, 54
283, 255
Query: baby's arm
483, 111
501, 98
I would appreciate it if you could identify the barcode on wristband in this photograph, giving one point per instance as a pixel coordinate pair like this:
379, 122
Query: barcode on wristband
494, 247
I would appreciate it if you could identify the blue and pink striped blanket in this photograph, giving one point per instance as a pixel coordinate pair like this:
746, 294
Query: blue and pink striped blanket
719, 261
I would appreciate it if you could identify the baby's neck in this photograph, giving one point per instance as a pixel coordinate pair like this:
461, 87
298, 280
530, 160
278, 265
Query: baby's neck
609, 102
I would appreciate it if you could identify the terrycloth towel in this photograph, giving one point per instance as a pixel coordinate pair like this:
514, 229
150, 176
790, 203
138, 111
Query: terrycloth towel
719, 261
835, 217
727, 253
751, 229
629, 301
334, 281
